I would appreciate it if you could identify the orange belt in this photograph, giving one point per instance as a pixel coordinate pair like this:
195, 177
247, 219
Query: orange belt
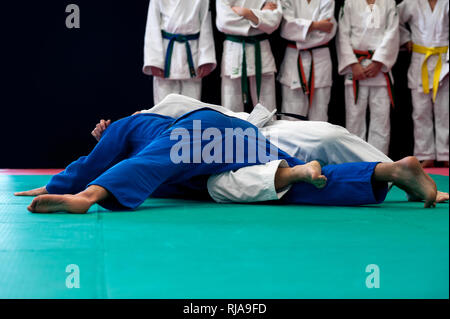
307, 87
362, 55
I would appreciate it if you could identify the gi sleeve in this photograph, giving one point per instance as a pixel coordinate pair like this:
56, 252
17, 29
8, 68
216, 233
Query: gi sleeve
227, 21
404, 15
248, 184
268, 20
153, 42
345, 54
207, 51
297, 29
387, 52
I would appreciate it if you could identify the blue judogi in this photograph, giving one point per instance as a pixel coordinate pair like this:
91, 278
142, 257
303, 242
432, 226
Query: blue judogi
132, 161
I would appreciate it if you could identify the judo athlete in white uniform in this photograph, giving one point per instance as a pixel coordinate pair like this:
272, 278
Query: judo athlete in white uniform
179, 47
367, 46
428, 38
305, 140
306, 71
247, 56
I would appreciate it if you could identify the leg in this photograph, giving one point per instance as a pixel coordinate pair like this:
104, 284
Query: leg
319, 109
294, 102
355, 114
163, 87
232, 94
441, 118
192, 88
76, 204
112, 148
267, 95
380, 118
408, 175
424, 147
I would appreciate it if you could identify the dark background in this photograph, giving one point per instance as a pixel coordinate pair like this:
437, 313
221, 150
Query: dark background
56, 83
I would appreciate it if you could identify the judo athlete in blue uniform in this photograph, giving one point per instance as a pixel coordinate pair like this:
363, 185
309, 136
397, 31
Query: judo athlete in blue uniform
139, 157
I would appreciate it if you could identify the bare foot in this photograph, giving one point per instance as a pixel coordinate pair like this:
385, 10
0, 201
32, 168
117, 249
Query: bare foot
410, 177
60, 203
310, 173
427, 163
34, 192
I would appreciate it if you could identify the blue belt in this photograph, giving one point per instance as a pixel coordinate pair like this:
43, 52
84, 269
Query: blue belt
182, 38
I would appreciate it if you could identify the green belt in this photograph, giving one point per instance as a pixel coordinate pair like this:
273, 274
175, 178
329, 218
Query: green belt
254, 40
182, 38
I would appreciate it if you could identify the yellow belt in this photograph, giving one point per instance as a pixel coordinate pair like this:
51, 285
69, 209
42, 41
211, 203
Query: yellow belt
437, 72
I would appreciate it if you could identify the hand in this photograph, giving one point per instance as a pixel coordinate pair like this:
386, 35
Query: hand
100, 128
358, 72
136, 113
246, 14
373, 69
240, 11
323, 25
157, 71
408, 46
270, 6
204, 70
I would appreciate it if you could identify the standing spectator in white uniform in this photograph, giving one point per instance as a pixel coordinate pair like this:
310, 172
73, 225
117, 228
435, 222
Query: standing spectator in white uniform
368, 45
179, 47
246, 51
428, 39
306, 71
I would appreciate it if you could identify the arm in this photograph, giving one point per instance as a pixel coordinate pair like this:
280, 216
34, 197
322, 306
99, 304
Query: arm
387, 52
312, 33
153, 43
346, 57
404, 16
206, 52
228, 21
268, 19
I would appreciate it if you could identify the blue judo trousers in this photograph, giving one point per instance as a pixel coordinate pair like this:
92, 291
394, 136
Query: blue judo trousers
133, 161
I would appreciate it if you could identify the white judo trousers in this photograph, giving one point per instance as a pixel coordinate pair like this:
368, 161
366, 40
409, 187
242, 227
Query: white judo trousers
178, 17
296, 102
428, 28
163, 87
375, 28
377, 97
431, 133
306, 140
230, 23
297, 19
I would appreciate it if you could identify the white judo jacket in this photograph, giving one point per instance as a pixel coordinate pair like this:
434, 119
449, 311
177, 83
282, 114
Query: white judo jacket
306, 140
429, 29
297, 19
363, 28
178, 17
229, 22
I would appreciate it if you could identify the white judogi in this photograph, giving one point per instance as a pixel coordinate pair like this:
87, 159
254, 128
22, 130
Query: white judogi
364, 27
230, 23
297, 19
178, 17
428, 29
306, 140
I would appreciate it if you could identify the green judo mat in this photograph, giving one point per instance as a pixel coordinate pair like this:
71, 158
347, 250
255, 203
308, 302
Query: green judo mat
191, 249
